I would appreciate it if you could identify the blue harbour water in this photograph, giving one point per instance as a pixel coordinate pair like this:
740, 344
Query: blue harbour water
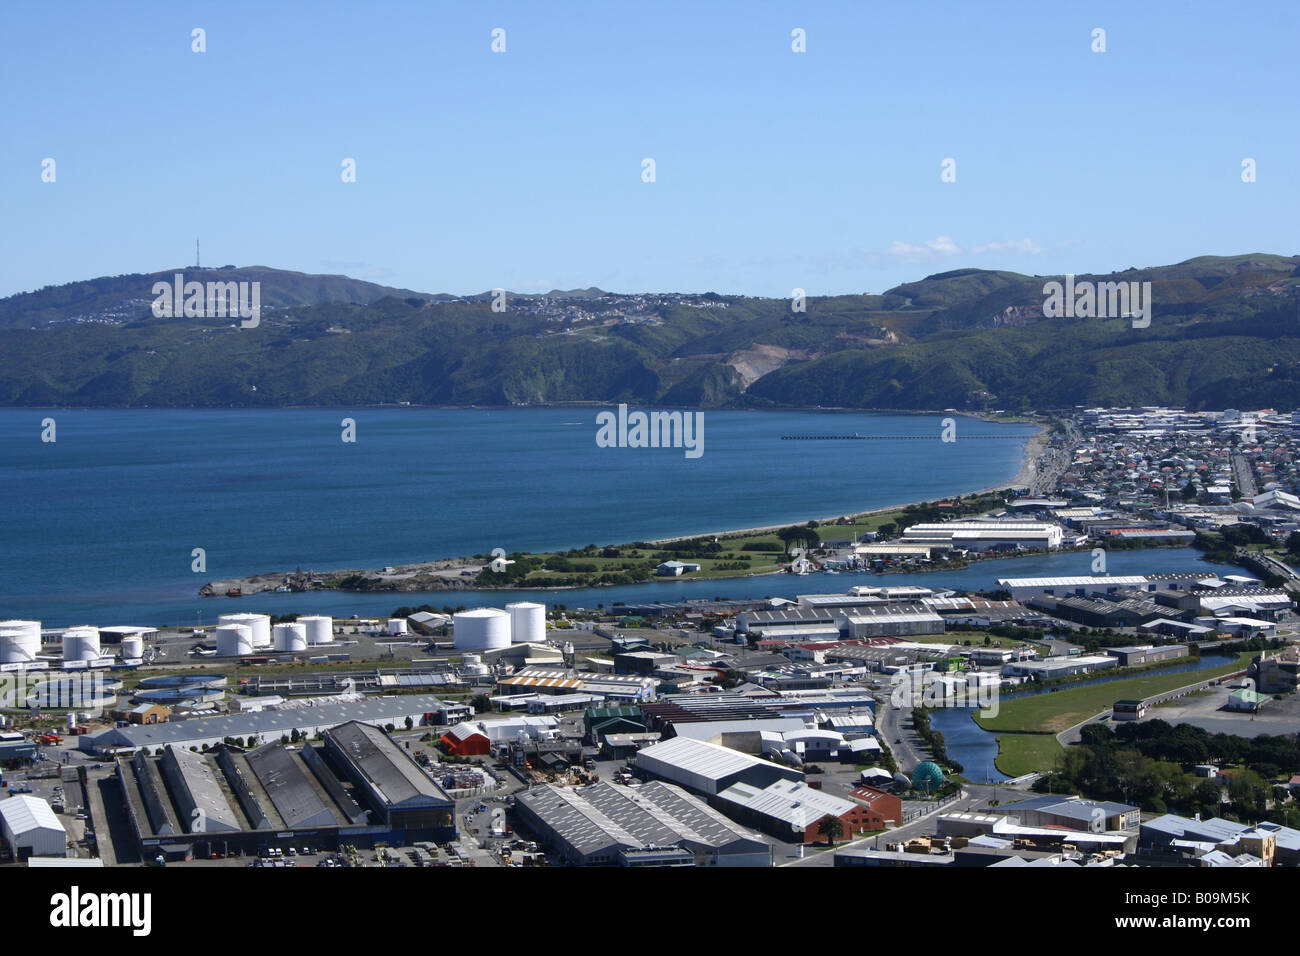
99, 526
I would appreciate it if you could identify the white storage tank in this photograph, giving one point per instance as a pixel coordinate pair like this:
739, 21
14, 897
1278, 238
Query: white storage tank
81, 644
482, 629
132, 647
396, 626
20, 641
290, 637
260, 624
527, 622
473, 665
234, 640
320, 629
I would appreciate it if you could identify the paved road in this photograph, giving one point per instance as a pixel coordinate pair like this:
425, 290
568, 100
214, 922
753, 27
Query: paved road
1054, 461
894, 726
1244, 474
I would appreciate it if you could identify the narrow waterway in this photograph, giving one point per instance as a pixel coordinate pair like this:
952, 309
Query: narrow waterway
976, 748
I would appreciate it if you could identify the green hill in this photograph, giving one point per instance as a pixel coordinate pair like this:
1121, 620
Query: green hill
1225, 331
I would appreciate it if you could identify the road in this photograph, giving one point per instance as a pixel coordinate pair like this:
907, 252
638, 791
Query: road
1244, 476
1054, 461
894, 725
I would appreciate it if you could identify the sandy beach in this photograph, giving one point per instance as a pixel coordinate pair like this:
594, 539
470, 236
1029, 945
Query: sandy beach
1023, 478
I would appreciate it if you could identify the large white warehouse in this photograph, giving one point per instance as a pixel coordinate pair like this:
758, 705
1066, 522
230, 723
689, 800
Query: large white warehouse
31, 827
527, 622
983, 535
482, 629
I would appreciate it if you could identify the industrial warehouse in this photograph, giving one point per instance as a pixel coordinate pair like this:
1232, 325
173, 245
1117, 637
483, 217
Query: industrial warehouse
356, 787
266, 725
655, 824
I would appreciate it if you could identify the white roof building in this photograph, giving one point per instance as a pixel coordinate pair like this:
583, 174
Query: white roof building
795, 804
708, 768
31, 827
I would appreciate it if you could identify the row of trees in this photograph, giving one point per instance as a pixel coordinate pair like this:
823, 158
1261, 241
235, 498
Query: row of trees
1150, 764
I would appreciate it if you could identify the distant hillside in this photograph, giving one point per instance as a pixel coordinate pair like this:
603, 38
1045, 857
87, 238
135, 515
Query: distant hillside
129, 297
1225, 331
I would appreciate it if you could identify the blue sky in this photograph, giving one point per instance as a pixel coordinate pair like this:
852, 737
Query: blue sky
522, 170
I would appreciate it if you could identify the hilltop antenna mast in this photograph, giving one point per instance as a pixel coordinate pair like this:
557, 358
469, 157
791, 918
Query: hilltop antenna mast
196, 253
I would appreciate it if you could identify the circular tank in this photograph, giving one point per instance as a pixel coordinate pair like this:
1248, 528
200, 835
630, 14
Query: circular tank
289, 637
482, 629
81, 644
260, 625
132, 646
527, 622
20, 641
396, 626
320, 629
88, 689
234, 640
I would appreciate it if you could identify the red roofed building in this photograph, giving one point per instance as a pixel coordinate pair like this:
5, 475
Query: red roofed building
466, 740
884, 809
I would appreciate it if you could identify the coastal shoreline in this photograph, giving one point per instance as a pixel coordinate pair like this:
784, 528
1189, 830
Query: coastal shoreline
447, 571
1023, 478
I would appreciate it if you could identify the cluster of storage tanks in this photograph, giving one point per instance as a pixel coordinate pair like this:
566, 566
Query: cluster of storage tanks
241, 634
20, 643
489, 628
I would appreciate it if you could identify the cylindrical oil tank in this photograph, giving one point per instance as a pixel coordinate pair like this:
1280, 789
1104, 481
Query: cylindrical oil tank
81, 644
260, 624
320, 629
234, 640
527, 622
289, 637
20, 641
396, 626
482, 629
132, 647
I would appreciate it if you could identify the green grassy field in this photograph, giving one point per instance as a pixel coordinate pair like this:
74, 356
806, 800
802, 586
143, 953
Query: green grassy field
1024, 753
1052, 713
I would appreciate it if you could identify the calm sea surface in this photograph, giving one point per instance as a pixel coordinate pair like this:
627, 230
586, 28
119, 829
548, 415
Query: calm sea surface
98, 526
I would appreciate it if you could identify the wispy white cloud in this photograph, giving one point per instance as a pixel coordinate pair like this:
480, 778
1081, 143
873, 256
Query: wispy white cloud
1026, 246
939, 247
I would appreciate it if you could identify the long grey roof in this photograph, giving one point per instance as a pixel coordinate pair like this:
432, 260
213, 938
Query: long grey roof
269, 722
655, 814
200, 778
290, 788
397, 778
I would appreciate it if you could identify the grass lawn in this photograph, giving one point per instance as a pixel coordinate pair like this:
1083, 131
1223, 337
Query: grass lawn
1024, 753
1052, 713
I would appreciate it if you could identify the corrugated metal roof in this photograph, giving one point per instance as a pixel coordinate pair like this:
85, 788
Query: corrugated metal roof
385, 765
795, 803
696, 756
24, 813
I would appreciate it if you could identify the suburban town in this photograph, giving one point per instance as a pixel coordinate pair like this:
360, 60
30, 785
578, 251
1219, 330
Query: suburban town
1141, 718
